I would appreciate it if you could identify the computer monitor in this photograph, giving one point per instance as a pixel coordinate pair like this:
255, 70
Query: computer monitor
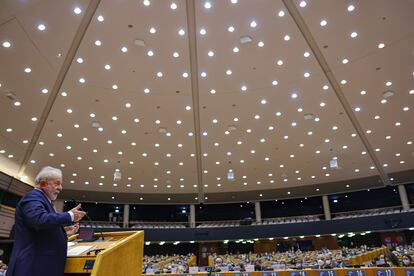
86, 234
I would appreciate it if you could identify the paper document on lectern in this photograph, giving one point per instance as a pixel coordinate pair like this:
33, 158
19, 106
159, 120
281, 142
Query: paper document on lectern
77, 250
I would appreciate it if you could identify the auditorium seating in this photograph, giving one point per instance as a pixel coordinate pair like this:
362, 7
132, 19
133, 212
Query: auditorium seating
219, 224
371, 212
167, 264
142, 225
98, 225
283, 220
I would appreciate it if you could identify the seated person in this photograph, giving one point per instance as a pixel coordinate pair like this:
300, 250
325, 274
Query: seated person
382, 261
407, 260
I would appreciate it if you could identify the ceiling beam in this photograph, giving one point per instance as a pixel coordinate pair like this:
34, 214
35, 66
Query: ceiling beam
307, 35
80, 33
192, 46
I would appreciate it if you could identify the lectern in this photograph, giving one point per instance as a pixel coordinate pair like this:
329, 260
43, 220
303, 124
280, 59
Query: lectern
120, 253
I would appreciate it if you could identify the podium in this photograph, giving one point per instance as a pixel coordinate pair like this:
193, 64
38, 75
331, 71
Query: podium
120, 253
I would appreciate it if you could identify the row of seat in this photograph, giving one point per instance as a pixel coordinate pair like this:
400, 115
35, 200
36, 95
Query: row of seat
157, 226
99, 225
372, 212
287, 220
219, 224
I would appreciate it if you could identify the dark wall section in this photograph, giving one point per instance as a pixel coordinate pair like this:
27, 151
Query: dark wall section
410, 192
234, 211
9, 199
368, 199
292, 207
170, 213
98, 211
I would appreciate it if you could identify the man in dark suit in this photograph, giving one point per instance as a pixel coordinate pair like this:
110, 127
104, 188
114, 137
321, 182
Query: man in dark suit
40, 245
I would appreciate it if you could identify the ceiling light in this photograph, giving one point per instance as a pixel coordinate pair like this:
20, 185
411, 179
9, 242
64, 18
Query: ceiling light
381, 45
345, 61
286, 37
41, 27
45, 91
159, 74
100, 18
228, 72
114, 87
245, 39
253, 24
263, 101
210, 53
124, 49
152, 30
235, 49
173, 6
77, 10
203, 74
275, 82
98, 43
281, 13
150, 53
260, 44
351, 8
185, 75
354, 34
181, 32
280, 62
107, 66
306, 75
302, 4
243, 88
357, 109
212, 91
294, 96
203, 31
231, 29
323, 23
82, 80
146, 2
306, 54
6, 44
207, 5
388, 83
17, 103
322, 104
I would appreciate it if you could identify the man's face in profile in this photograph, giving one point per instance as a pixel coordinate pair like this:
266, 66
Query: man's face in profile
51, 187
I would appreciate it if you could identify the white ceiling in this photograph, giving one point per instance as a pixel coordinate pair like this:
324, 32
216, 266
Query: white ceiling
266, 152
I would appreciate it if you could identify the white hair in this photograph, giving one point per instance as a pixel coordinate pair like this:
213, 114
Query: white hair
48, 172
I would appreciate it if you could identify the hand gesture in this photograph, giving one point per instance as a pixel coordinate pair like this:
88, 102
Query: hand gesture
78, 214
71, 230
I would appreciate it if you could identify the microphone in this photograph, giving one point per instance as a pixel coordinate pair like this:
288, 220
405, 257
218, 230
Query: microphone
88, 217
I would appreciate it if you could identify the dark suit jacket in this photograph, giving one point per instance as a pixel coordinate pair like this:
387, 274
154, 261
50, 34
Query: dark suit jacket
40, 241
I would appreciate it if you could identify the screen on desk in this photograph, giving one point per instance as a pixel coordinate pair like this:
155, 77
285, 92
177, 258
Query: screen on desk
86, 234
